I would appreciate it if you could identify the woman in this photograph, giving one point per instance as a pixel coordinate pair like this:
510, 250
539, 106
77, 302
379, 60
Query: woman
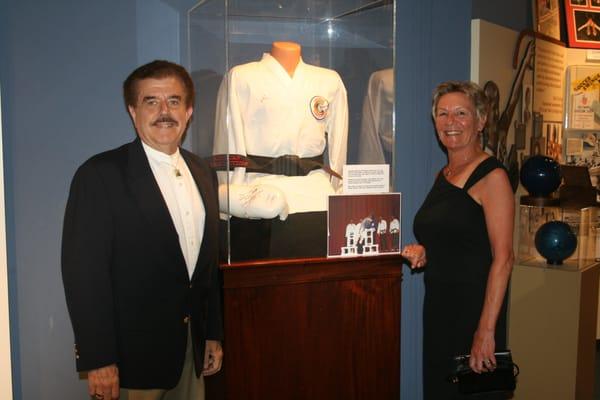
464, 229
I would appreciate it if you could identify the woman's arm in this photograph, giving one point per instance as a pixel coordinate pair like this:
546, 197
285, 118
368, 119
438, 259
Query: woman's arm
496, 197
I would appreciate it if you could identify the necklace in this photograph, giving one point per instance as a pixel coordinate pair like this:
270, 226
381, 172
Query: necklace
459, 168
175, 166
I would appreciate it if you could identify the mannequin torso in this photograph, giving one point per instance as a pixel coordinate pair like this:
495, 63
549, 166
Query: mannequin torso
278, 106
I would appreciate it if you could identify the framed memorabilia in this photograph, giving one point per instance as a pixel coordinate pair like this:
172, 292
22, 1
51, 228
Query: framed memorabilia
547, 17
583, 23
363, 224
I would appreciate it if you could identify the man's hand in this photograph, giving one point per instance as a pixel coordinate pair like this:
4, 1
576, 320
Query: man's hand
213, 357
103, 383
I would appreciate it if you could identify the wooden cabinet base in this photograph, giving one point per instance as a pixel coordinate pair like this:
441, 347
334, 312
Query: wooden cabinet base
313, 329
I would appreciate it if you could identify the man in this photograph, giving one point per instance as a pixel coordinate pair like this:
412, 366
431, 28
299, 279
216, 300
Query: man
382, 235
395, 233
139, 253
350, 230
359, 234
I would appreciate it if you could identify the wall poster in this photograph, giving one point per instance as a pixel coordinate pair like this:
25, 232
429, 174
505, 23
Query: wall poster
547, 17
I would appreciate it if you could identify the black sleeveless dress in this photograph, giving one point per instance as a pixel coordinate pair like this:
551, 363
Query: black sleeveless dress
451, 226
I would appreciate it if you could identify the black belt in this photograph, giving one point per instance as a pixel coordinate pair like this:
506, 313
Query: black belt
289, 164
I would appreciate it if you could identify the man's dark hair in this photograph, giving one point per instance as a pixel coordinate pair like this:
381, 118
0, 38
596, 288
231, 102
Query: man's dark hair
158, 69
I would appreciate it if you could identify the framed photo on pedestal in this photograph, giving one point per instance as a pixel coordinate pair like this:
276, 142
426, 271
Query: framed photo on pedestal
363, 225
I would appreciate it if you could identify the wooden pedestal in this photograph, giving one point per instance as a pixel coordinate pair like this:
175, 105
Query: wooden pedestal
313, 329
552, 331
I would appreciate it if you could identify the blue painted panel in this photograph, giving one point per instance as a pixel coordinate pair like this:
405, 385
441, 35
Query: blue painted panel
157, 32
63, 63
433, 44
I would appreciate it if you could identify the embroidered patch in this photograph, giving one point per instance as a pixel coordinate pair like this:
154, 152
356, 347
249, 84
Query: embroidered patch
319, 107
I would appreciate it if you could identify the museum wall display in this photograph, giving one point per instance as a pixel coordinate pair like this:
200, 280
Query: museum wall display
546, 113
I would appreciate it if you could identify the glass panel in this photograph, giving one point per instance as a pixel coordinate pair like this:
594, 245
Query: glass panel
284, 135
208, 63
583, 222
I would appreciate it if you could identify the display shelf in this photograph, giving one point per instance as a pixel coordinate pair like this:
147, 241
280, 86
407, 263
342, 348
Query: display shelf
552, 331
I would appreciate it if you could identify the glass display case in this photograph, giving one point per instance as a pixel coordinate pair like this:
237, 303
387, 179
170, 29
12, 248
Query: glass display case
287, 93
584, 223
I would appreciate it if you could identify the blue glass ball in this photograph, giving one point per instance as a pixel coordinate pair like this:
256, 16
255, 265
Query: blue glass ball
540, 175
555, 241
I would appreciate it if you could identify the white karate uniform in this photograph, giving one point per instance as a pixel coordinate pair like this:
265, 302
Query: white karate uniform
376, 142
263, 111
395, 226
358, 231
381, 226
350, 230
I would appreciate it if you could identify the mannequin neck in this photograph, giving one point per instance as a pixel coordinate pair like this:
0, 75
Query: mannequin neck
287, 54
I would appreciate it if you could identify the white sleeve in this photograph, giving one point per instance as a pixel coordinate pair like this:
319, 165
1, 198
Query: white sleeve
229, 128
337, 132
239, 199
370, 150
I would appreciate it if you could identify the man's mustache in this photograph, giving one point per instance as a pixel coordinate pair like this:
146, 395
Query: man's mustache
165, 119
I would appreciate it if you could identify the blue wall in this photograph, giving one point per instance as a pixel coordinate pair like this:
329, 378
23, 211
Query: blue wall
513, 14
433, 45
55, 115
61, 66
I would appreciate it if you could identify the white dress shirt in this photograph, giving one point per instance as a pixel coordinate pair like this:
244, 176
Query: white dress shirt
183, 201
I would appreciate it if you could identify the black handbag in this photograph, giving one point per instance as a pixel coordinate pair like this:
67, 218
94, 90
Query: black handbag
501, 379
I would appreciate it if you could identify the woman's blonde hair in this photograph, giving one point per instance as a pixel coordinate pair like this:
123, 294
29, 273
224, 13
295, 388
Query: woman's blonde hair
468, 88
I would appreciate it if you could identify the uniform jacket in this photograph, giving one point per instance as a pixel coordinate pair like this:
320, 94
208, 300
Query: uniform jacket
127, 287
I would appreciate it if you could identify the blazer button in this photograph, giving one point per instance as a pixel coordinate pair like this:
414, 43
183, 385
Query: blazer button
186, 319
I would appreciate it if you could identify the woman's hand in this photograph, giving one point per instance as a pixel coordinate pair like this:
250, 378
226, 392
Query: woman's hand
482, 352
415, 254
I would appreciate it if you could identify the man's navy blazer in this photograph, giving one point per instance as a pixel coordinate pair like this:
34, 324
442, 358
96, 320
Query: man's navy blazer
127, 287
